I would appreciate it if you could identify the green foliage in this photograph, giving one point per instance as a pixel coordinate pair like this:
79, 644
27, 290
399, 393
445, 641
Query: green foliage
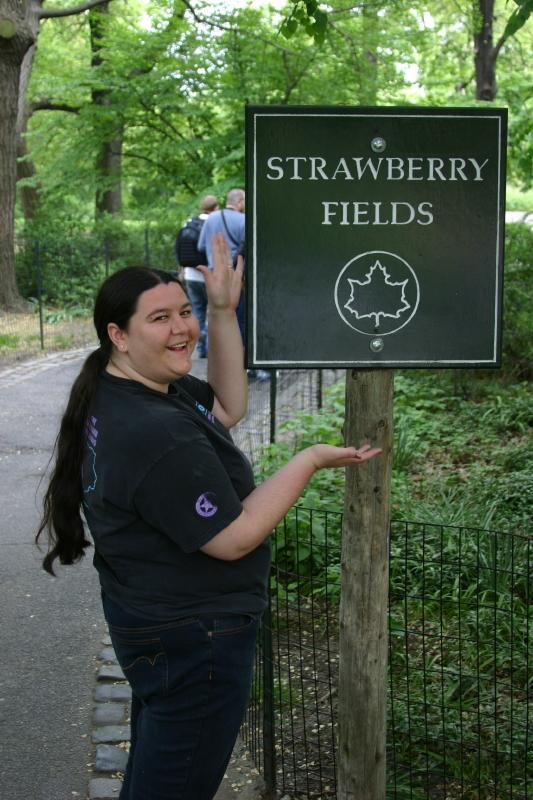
308, 15
519, 17
472, 468
67, 269
55, 316
517, 347
457, 460
9, 340
517, 200
458, 602
175, 85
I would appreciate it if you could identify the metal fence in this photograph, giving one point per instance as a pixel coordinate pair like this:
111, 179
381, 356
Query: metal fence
273, 402
58, 279
460, 683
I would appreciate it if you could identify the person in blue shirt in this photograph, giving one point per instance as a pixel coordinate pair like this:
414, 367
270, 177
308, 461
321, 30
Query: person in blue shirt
230, 222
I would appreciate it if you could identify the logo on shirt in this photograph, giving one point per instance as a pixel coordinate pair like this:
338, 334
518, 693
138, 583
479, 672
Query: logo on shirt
205, 506
203, 410
89, 480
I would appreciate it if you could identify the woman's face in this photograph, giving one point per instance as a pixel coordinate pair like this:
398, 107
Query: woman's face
157, 347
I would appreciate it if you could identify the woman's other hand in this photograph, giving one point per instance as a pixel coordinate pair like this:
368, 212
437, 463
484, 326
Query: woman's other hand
327, 456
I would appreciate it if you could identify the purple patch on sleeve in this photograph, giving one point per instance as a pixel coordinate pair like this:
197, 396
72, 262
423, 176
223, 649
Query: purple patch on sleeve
205, 506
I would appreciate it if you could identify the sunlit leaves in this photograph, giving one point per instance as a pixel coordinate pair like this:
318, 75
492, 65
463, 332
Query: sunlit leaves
519, 17
307, 15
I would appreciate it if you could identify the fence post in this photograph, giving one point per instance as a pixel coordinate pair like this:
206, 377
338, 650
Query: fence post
269, 738
319, 387
364, 591
146, 247
38, 276
106, 256
273, 400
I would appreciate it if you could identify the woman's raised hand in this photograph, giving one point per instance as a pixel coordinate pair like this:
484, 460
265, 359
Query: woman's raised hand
223, 283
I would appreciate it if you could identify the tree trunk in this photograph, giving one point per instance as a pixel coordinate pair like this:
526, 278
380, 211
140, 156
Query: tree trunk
484, 53
364, 591
368, 91
18, 25
29, 195
109, 160
109, 165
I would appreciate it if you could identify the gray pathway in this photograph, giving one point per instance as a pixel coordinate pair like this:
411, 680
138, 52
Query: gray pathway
50, 628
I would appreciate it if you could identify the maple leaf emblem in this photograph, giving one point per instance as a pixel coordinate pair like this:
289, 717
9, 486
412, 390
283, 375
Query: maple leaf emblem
377, 295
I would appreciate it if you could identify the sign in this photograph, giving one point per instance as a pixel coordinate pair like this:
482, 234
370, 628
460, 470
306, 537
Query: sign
374, 236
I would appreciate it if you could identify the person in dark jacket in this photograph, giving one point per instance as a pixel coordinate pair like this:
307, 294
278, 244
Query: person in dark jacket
189, 257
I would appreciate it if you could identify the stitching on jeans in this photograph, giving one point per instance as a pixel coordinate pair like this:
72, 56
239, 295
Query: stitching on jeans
124, 640
226, 632
151, 661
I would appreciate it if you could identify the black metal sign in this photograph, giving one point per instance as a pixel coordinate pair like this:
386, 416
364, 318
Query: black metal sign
374, 236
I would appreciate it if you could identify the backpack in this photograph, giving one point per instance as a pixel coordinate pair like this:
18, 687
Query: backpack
187, 251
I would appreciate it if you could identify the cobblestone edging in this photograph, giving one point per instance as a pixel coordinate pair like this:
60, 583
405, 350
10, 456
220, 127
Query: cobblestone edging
111, 736
111, 730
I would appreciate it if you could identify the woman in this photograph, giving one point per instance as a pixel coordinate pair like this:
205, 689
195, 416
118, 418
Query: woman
180, 532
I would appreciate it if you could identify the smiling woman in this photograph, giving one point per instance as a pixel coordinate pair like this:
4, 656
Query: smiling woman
157, 346
180, 531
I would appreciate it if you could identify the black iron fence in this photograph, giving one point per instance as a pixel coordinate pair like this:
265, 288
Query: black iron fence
460, 681
275, 400
58, 279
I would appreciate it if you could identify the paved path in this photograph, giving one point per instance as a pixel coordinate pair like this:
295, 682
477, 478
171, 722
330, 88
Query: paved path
50, 628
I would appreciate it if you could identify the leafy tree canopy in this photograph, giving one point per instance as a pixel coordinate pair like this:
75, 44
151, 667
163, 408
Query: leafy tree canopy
177, 73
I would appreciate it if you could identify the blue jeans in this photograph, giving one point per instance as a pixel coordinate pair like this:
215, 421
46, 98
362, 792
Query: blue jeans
198, 297
190, 682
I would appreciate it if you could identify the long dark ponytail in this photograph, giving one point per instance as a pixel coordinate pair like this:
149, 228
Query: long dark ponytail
62, 520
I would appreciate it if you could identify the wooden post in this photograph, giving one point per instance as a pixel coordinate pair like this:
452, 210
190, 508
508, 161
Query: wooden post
364, 591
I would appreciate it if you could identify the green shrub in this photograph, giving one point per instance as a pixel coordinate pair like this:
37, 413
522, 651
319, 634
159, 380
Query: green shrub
67, 269
517, 344
456, 461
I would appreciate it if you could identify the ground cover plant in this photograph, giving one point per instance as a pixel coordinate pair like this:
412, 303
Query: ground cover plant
459, 594
462, 454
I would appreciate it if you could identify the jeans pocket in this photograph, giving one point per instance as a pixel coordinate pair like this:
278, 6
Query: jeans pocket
143, 661
235, 623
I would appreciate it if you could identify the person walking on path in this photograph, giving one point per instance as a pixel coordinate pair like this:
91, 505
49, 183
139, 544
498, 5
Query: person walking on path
230, 222
180, 530
189, 257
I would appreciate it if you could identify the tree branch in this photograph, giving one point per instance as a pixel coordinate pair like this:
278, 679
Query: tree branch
498, 46
220, 26
50, 13
141, 157
49, 105
460, 87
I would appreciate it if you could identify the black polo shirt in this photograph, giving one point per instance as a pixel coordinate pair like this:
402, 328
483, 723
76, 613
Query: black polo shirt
161, 477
